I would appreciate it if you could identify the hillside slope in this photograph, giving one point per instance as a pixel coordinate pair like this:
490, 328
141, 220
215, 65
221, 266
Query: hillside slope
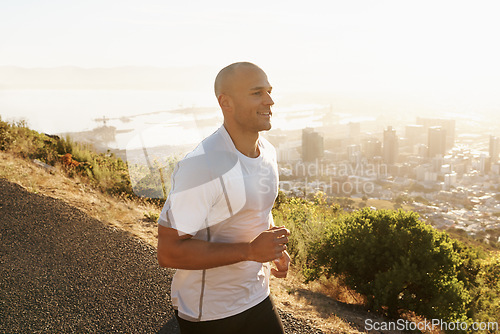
300, 303
63, 271
66, 272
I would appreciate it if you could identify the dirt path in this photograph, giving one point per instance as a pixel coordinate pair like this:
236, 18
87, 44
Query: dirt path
64, 272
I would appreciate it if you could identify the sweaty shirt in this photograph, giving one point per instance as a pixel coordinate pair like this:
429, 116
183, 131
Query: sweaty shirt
220, 195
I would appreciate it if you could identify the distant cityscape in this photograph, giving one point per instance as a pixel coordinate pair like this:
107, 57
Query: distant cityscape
450, 177
450, 183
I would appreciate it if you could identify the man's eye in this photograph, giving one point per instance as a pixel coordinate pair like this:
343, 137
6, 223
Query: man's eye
257, 93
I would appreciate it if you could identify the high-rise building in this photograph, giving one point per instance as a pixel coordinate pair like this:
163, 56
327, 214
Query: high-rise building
415, 134
482, 164
447, 124
372, 148
450, 180
436, 141
421, 150
494, 149
312, 145
437, 162
288, 151
390, 149
354, 153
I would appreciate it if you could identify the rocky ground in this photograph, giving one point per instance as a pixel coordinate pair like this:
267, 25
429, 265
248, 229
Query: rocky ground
62, 271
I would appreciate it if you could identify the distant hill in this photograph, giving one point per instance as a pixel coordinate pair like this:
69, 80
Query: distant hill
130, 77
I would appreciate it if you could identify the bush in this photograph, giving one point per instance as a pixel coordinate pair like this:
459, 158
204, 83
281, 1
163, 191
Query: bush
398, 262
151, 216
305, 220
107, 173
486, 295
6, 137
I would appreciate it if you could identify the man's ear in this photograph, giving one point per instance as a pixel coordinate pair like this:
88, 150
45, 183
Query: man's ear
225, 103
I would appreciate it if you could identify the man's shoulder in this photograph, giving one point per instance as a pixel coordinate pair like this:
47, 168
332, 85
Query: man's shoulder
213, 143
209, 160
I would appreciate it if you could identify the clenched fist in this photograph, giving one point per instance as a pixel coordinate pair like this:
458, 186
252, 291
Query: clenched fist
269, 245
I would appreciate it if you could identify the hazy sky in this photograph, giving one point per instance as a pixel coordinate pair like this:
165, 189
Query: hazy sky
409, 46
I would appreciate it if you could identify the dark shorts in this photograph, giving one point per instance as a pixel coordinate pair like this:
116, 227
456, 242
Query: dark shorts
261, 319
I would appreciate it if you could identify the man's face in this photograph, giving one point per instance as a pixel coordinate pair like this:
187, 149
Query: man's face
251, 99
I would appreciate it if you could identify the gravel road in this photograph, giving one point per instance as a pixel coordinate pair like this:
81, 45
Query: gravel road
62, 271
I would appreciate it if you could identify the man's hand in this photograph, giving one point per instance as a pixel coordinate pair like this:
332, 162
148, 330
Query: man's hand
282, 265
269, 245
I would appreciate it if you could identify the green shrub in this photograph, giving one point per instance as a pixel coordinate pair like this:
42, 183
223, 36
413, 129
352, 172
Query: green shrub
306, 221
398, 262
152, 216
486, 295
153, 181
64, 145
6, 137
106, 173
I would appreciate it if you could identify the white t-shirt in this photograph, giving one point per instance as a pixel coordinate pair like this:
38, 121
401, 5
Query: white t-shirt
220, 195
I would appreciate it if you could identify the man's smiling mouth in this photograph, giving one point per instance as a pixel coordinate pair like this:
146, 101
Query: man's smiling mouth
265, 113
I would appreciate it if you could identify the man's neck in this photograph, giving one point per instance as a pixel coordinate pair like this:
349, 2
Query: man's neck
245, 142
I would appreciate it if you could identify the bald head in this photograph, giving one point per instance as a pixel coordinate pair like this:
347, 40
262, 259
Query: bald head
226, 76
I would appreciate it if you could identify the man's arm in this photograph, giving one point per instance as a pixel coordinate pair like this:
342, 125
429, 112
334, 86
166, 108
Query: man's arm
183, 252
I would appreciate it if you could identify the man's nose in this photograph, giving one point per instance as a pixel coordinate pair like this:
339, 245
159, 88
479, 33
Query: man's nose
268, 100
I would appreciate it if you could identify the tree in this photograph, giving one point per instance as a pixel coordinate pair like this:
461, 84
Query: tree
398, 262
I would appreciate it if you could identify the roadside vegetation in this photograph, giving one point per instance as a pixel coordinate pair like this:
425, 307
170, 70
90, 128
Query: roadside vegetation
103, 171
401, 266
394, 262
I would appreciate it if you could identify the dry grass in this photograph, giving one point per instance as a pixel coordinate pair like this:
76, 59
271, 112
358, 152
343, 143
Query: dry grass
124, 214
326, 305
311, 301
